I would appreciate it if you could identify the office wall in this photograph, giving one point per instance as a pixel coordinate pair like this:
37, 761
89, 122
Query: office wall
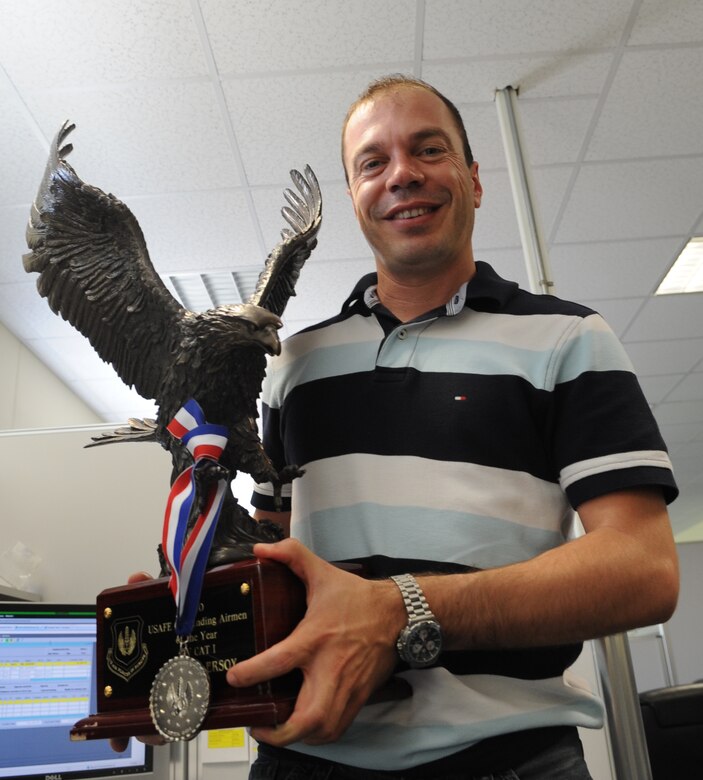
92, 515
31, 396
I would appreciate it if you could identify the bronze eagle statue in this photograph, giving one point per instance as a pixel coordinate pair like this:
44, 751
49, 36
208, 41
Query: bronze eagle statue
95, 271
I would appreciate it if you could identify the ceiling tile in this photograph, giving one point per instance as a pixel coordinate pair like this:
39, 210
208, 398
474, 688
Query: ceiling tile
667, 22
657, 388
508, 263
617, 312
677, 356
554, 130
474, 80
22, 167
284, 122
282, 36
483, 131
610, 269
633, 200
490, 27
204, 230
496, 222
692, 449
13, 223
323, 287
24, 312
80, 42
143, 138
684, 412
678, 433
668, 122
667, 317
549, 188
689, 389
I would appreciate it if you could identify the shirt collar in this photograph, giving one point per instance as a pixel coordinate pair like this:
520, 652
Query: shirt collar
485, 290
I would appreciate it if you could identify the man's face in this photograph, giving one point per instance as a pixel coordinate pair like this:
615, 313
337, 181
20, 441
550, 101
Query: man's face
413, 193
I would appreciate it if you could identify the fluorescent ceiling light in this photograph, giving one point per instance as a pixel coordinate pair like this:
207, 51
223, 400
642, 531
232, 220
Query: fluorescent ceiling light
199, 292
686, 274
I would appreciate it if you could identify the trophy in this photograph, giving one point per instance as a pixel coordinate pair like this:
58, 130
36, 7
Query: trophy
164, 646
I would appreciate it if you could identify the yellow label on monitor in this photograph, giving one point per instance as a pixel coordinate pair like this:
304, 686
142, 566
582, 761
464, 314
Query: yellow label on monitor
226, 738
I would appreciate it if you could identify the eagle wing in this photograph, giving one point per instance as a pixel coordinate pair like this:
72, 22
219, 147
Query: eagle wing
95, 271
276, 282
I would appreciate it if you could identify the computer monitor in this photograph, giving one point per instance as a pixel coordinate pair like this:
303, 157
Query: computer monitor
47, 683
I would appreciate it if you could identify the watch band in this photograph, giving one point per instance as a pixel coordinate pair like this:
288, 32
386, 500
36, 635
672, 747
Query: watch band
415, 601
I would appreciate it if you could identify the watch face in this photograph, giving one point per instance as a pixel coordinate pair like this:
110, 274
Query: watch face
424, 643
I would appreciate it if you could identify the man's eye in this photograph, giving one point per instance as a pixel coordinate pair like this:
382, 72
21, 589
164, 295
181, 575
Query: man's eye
430, 151
369, 165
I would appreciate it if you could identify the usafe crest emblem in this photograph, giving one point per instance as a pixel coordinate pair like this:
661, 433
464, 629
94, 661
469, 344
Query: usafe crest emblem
128, 654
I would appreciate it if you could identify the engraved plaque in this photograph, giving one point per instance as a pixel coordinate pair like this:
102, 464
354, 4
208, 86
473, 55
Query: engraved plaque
244, 608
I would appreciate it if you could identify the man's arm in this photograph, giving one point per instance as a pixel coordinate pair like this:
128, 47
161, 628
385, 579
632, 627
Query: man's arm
621, 574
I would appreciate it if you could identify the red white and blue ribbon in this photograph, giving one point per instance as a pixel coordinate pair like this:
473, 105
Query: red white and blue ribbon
188, 557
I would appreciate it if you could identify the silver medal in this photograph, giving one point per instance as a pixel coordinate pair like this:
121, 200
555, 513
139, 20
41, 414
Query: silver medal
180, 695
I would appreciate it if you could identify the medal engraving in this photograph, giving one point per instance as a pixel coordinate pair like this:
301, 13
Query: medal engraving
179, 699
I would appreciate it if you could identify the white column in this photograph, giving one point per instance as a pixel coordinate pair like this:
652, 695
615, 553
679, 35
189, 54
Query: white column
624, 721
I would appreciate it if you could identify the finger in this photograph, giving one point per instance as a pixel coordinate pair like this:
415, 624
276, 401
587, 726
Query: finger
307, 566
119, 744
318, 718
266, 665
289, 552
138, 576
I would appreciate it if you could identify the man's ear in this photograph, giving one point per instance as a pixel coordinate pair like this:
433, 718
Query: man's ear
478, 187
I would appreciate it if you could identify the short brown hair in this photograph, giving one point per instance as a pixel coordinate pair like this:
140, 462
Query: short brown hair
396, 81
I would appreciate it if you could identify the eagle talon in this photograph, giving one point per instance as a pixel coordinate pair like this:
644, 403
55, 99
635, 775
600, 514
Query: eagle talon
207, 473
284, 477
288, 473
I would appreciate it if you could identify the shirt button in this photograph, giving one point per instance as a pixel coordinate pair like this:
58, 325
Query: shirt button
402, 333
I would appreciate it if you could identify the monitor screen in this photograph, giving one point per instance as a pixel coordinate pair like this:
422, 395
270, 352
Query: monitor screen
47, 683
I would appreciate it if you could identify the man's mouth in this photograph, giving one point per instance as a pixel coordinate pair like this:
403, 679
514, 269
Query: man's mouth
410, 213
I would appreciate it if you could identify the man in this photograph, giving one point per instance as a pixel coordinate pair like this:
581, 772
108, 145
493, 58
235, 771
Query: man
448, 423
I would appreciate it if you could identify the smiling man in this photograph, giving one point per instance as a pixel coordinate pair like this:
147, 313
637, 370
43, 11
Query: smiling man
449, 425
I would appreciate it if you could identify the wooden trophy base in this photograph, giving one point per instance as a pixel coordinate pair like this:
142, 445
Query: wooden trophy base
245, 608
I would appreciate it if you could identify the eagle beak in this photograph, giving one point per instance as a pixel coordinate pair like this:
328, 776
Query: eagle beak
268, 336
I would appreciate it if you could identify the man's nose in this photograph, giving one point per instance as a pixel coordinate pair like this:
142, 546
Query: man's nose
404, 171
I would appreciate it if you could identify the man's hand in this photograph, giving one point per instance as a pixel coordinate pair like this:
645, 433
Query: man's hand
344, 646
119, 744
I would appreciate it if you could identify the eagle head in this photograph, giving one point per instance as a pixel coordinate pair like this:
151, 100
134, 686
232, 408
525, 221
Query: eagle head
242, 324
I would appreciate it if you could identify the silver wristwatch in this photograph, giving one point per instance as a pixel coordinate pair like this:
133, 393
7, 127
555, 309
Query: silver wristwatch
420, 642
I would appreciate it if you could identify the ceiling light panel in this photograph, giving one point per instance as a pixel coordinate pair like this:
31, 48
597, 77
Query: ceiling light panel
686, 274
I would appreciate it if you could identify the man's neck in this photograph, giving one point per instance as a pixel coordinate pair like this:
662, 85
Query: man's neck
411, 296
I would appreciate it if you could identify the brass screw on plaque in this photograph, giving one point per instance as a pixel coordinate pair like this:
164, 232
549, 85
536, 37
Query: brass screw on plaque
244, 589
108, 691
107, 612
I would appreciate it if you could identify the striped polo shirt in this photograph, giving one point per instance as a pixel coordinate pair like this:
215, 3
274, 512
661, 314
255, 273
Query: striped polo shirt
466, 436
